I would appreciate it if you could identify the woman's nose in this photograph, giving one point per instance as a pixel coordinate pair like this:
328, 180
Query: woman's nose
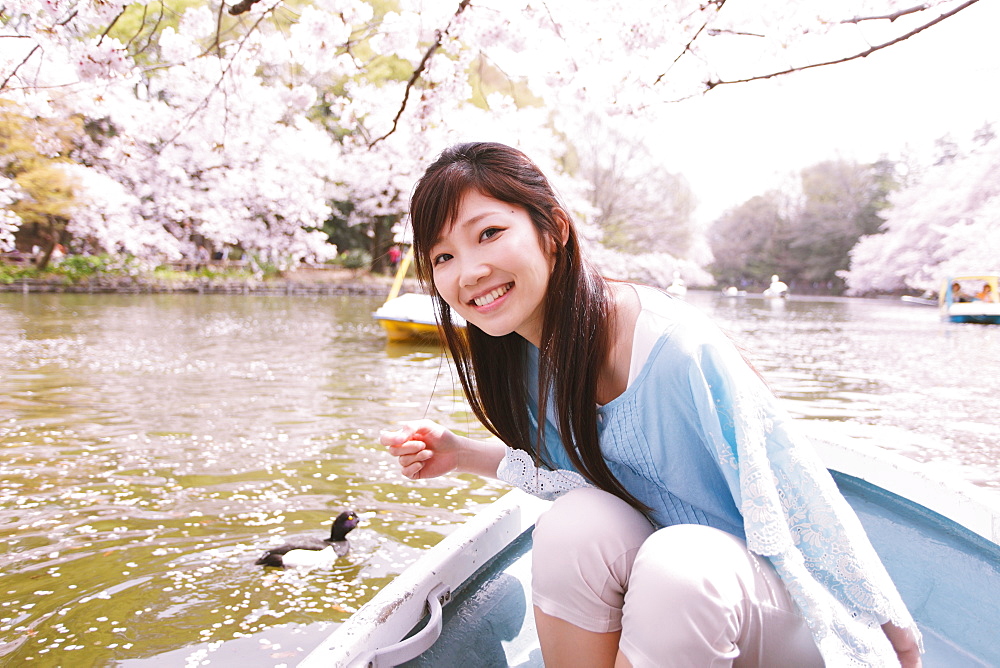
472, 272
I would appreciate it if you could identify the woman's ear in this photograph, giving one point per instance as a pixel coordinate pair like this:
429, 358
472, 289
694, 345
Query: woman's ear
562, 221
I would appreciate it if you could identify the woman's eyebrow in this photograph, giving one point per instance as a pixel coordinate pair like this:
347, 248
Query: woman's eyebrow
477, 218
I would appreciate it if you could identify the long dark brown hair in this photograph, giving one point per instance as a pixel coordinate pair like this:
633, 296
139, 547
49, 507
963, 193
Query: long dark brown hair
577, 311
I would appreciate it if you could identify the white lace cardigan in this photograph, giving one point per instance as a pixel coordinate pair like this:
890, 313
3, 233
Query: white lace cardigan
699, 438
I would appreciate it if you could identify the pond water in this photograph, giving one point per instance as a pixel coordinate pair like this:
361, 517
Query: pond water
152, 445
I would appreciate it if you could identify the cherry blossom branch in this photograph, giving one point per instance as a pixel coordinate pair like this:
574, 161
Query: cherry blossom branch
218, 28
114, 21
142, 24
888, 17
152, 32
13, 72
709, 85
415, 77
222, 77
687, 47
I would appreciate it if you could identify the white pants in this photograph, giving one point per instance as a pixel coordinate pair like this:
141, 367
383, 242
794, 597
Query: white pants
685, 595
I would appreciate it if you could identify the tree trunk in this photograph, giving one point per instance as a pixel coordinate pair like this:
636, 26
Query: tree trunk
47, 255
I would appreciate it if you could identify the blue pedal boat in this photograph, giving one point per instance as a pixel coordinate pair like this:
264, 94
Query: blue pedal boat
972, 298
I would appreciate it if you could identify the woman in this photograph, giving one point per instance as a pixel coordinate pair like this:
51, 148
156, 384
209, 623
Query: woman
692, 525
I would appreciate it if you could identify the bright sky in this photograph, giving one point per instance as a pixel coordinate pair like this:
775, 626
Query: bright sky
741, 140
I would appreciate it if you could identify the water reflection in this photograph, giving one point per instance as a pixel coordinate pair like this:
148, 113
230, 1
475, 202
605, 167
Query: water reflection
154, 444
881, 370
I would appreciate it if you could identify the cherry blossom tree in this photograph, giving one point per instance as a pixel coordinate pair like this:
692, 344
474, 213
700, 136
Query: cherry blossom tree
238, 125
944, 223
9, 221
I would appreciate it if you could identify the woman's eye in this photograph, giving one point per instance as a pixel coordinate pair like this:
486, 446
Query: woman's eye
443, 257
489, 233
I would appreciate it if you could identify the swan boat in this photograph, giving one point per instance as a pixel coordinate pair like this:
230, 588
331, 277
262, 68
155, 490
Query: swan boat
467, 601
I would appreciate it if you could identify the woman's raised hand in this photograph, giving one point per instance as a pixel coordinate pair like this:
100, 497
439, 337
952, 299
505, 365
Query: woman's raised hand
424, 448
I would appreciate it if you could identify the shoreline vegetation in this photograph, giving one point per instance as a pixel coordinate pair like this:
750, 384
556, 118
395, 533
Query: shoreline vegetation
308, 281
111, 275
202, 280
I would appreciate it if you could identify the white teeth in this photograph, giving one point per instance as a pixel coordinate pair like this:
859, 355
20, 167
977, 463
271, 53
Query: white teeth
492, 297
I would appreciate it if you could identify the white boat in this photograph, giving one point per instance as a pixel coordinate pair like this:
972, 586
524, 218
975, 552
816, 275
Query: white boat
918, 301
975, 300
410, 315
467, 601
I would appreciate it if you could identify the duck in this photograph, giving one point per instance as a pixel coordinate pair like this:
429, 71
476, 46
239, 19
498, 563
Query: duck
312, 552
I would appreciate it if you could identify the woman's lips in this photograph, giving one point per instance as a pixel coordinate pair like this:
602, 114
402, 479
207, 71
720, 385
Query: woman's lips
492, 296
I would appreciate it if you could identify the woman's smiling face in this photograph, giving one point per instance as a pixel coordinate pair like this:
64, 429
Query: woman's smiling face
491, 268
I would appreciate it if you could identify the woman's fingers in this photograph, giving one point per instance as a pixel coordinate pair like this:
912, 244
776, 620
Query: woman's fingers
410, 431
413, 470
400, 442
411, 453
418, 445
395, 438
408, 448
421, 456
412, 465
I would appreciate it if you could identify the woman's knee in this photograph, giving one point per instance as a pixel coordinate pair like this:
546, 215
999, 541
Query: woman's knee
687, 560
698, 592
588, 520
586, 543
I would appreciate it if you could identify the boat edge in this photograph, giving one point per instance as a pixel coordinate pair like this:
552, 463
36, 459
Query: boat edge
955, 499
449, 563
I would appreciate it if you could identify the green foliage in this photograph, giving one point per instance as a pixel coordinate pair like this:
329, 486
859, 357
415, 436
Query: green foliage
372, 237
73, 268
170, 274
340, 232
263, 268
47, 188
50, 193
808, 242
15, 272
749, 241
77, 267
486, 79
354, 259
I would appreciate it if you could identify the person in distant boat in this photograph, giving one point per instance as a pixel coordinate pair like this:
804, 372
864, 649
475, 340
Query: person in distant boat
959, 295
987, 294
394, 256
692, 524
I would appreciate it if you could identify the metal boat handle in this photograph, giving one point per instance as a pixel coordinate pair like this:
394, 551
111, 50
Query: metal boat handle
418, 643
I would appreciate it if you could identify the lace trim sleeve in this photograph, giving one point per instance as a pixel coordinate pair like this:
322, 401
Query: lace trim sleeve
517, 468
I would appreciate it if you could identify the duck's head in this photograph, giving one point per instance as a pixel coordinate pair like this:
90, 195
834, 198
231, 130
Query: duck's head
344, 524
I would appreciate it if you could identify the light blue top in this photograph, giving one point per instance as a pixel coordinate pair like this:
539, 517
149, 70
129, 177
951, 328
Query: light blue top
699, 438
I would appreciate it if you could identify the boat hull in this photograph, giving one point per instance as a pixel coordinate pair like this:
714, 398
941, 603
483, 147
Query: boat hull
977, 319
408, 316
407, 330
